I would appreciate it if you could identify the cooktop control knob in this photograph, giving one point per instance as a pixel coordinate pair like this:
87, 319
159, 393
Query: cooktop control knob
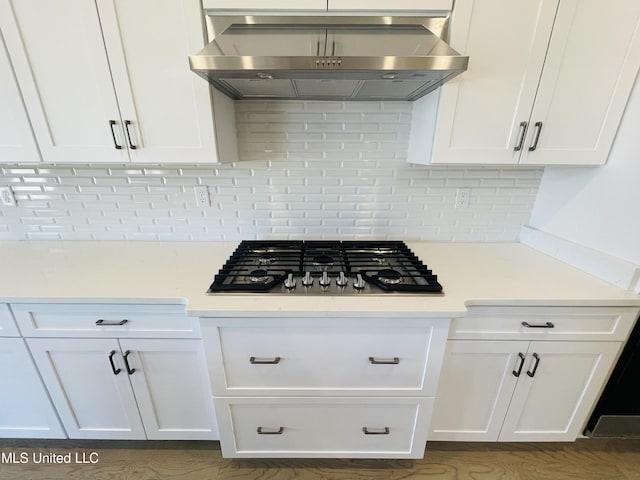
359, 283
307, 280
324, 280
290, 282
341, 281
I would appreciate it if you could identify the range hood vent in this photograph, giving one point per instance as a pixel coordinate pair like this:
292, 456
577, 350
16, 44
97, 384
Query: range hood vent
327, 58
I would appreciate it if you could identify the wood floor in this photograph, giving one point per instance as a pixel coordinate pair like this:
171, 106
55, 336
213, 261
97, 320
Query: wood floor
585, 459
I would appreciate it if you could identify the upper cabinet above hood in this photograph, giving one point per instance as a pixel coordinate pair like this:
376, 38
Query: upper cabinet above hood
327, 58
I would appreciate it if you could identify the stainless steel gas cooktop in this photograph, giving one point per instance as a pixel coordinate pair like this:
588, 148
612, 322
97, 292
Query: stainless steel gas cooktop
324, 268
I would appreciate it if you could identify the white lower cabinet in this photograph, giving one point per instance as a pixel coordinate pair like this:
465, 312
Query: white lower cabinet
127, 388
25, 408
540, 387
324, 387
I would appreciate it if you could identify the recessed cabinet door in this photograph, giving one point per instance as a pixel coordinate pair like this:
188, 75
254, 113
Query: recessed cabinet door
476, 385
590, 69
25, 408
557, 390
16, 137
166, 108
171, 386
481, 111
58, 55
92, 401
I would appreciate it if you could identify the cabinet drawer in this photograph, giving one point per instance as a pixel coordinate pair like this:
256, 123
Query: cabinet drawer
105, 321
327, 427
321, 361
544, 323
8, 327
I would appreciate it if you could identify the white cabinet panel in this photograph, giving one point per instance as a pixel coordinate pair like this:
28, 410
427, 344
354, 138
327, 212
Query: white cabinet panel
8, 327
585, 83
381, 5
58, 55
92, 401
172, 388
17, 143
169, 107
552, 404
308, 427
25, 408
476, 385
265, 4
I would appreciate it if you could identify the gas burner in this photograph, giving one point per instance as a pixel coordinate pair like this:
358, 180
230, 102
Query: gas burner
323, 259
379, 259
260, 276
389, 277
266, 260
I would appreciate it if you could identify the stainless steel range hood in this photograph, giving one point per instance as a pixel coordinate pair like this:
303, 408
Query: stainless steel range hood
327, 58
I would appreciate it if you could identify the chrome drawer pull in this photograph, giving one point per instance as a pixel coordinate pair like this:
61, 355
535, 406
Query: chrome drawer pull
264, 361
531, 373
384, 361
538, 325
262, 431
516, 373
523, 131
376, 432
115, 370
105, 323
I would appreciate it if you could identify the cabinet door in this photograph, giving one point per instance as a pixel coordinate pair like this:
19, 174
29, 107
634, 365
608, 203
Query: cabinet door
381, 5
166, 108
59, 59
553, 404
16, 137
265, 4
91, 400
481, 110
25, 408
589, 71
171, 385
476, 385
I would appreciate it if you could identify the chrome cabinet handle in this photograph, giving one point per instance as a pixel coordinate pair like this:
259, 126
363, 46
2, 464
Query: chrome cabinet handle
127, 127
516, 373
126, 362
115, 370
105, 323
263, 431
385, 361
538, 126
538, 325
523, 132
112, 123
264, 361
384, 431
531, 373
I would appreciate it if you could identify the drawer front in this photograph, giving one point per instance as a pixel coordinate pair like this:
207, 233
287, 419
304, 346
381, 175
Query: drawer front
544, 323
8, 327
104, 321
323, 427
309, 361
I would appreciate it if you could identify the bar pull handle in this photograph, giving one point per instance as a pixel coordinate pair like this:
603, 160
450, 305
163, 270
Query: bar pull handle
263, 431
516, 373
105, 323
378, 431
384, 361
126, 362
531, 373
523, 131
264, 361
538, 325
112, 123
115, 370
538, 126
127, 128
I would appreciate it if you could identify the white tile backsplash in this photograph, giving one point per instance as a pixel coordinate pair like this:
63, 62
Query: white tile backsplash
307, 170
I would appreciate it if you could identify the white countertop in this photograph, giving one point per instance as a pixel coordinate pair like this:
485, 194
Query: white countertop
181, 272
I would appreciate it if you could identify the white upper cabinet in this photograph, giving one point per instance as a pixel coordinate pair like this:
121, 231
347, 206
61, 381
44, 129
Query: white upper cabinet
111, 84
16, 138
547, 82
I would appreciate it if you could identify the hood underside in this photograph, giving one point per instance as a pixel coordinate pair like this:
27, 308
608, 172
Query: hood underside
327, 58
